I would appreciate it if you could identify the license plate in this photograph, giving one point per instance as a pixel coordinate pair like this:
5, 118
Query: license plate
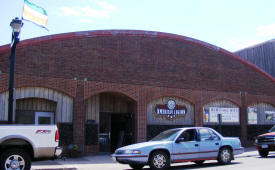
264, 146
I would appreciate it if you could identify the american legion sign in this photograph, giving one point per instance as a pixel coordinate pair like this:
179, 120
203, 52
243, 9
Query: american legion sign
170, 110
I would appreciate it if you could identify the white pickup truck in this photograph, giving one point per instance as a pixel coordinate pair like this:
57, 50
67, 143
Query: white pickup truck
19, 144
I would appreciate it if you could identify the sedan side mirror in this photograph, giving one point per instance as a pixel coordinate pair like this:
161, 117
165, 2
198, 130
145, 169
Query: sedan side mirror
179, 140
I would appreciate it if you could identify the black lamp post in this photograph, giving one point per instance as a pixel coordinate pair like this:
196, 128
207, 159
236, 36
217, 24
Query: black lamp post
220, 122
16, 25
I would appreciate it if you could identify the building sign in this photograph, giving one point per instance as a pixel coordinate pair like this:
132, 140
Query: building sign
229, 115
170, 110
252, 115
270, 115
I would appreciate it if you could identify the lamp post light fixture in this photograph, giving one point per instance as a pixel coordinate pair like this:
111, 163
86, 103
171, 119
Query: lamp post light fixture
16, 25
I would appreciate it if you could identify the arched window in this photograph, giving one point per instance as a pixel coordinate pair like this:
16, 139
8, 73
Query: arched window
230, 113
170, 111
261, 114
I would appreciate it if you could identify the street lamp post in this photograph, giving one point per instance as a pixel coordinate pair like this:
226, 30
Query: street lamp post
16, 25
220, 122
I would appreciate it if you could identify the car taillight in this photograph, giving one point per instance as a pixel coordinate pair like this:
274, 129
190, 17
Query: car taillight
56, 136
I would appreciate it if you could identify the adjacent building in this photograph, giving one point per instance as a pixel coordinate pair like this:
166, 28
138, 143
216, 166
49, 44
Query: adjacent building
106, 89
262, 55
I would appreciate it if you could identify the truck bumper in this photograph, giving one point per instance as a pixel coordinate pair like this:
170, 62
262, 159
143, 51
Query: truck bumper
58, 151
268, 146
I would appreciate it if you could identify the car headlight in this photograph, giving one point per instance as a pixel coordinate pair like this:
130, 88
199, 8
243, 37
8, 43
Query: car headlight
132, 151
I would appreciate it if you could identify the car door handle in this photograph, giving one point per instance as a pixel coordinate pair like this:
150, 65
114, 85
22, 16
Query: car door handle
217, 143
196, 145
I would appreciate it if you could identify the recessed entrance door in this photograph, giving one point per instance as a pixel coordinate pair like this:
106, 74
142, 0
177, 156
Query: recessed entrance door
104, 132
122, 126
44, 118
116, 130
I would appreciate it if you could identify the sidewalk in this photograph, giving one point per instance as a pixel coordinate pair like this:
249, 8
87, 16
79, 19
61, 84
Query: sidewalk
92, 159
248, 152
97, 161
73, 163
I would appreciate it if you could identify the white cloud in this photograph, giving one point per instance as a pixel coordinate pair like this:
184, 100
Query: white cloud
237, 44
107, 6
261, 34
86, 11
266, 30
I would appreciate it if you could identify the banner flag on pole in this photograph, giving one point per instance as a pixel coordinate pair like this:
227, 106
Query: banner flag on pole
35, 14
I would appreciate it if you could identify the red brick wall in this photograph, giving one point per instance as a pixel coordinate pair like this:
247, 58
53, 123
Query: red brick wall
79, 115
62, 85
140, 58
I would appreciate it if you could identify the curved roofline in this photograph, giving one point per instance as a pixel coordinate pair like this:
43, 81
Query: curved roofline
97, 33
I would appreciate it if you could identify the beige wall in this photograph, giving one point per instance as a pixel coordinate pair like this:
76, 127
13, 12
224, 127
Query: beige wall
64, 107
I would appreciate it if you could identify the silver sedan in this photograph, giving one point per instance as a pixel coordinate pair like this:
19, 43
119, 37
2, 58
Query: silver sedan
192, 144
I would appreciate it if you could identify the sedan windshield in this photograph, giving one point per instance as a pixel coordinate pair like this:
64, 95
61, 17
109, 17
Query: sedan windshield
168, 135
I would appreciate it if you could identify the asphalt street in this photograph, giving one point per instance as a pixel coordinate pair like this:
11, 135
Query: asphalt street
248, 160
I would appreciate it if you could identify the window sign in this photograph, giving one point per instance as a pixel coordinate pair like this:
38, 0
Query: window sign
252, 115
269, 115
261, 114
228, 114
206, 114
171, 110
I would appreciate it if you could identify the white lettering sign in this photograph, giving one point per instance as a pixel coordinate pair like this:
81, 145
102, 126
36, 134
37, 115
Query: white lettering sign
228, 114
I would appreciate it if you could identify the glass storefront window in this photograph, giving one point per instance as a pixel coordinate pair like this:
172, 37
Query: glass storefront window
230, 113
261, 114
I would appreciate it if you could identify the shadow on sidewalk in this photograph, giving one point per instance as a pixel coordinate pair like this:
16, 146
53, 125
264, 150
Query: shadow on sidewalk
89, 159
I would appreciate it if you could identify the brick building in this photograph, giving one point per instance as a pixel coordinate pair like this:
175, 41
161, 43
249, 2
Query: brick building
110, 88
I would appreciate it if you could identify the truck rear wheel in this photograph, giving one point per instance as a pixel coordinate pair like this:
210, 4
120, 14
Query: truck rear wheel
15, 159
263, 153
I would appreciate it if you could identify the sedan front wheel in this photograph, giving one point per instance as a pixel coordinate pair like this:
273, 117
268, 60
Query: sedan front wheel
159, 160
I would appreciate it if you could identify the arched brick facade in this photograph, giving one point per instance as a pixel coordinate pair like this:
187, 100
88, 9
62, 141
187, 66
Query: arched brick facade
142, 65
67, 87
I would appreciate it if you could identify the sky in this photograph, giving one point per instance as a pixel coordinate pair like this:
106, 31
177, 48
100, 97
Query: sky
229, 24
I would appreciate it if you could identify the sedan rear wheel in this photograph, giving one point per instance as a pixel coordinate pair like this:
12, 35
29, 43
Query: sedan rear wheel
225, 156
159, 160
